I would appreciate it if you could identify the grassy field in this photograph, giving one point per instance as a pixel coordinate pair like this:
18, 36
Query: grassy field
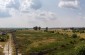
60, 42
69, 32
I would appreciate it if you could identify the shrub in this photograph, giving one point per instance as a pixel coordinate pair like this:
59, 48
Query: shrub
51, 31
71, 42
80, 50
82, 31
63, 46
73, 31
74, 35
81, 39
3, 38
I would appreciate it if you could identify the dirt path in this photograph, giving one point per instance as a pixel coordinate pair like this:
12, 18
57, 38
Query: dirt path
8, 47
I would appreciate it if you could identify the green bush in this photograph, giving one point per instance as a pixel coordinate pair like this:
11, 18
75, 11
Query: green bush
74, 35
80, 50
3, 38
51, 31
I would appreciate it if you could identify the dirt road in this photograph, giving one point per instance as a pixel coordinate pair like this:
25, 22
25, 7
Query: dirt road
8, 46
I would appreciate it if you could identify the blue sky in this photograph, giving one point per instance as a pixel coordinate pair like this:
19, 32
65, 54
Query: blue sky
44, 13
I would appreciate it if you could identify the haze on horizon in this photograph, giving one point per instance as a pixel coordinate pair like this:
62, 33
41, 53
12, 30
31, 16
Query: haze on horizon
44, 13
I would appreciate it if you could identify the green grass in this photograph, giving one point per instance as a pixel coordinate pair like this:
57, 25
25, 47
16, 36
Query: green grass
50, 43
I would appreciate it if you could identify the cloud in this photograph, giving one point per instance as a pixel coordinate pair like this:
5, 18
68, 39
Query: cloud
42, 18
4, 12
23, 6
29, 19
36, 4
13, 4
69, 4
46, 16
40, 15
27, 5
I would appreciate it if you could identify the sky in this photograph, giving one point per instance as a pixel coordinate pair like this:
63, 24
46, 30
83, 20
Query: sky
44, 13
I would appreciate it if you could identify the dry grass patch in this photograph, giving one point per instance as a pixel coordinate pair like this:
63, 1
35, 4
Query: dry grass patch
43, 42
1, 47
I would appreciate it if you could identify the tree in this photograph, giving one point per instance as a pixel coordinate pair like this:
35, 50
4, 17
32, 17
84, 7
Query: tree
35, 28
46, 29
39, 28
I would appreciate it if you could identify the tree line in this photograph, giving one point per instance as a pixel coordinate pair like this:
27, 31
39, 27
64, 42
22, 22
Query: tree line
39, 28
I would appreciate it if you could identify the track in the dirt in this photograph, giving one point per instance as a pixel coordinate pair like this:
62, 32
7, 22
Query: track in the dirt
15, 43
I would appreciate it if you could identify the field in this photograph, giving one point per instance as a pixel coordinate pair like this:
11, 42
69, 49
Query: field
52, 42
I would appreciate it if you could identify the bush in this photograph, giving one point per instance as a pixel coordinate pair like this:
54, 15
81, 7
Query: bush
81, 39
82, 31
3, 38
80, 50
51, 31
74, 35
71, 42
